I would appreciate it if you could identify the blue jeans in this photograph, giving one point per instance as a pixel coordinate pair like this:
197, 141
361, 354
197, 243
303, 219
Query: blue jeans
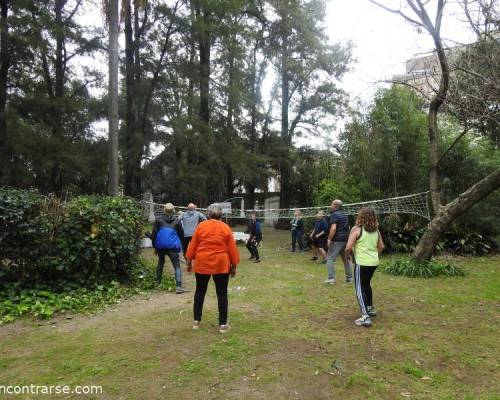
297, 235
174, 258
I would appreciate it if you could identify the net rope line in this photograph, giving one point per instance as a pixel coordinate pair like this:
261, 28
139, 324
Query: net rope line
416, 204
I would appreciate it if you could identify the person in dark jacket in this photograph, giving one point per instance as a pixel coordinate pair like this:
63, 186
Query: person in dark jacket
297, 231
337, 241
167, 239
255, 238
318, 237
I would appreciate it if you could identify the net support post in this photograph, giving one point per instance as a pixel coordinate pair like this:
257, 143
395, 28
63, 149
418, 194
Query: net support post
151, 216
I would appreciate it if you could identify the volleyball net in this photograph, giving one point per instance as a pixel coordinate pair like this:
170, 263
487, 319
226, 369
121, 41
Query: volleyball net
416, 204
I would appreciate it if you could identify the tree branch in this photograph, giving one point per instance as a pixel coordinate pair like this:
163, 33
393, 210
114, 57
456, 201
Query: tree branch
457, 139
398, 11
72, 13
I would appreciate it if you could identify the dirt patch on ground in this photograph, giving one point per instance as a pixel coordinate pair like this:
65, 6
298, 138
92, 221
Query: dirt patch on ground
143, 304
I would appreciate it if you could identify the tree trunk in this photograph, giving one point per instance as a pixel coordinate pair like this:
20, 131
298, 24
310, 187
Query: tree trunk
113, 54
231, 105
284, 169
4, 71
204, 52
60, 59
192, 55
133, 143
452, 210
56, 177
437, 101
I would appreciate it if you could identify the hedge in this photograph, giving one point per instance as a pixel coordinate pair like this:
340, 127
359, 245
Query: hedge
88, 240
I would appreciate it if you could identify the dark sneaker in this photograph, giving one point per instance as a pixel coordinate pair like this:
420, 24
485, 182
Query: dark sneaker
180, 290
364, 321
314, 258
251, 258
348, 280
257, 261
371, 311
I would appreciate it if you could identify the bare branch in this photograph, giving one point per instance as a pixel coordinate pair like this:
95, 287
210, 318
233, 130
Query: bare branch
398, 11
478, 75
457, 139
72, 13
465, 6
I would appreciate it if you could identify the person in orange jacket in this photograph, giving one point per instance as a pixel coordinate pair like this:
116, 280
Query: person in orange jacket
214, 252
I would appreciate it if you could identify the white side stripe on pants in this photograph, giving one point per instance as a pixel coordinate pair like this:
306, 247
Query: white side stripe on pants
359, 293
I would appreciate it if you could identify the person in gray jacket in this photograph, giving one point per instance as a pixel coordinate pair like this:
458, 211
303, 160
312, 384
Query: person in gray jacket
190, 220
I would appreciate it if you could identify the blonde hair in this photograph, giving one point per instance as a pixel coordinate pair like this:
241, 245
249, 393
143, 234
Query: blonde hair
169, 208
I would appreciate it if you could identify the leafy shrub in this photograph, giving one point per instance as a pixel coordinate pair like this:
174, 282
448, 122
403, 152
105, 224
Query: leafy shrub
43, 301
421, 269
455, 240
90, 240
401, 241
464, 242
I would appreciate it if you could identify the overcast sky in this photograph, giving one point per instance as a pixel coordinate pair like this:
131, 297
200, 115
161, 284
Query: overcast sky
382, 41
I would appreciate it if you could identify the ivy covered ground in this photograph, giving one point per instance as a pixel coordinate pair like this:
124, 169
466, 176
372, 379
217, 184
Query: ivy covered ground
292, 338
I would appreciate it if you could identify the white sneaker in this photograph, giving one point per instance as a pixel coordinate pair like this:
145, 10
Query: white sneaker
330, 281
224, 328
364, 321
196, 325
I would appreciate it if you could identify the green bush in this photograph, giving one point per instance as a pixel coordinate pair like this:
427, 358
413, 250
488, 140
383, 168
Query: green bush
88, 241
421, 269
401, 241
466, 242
456, 240
43, 301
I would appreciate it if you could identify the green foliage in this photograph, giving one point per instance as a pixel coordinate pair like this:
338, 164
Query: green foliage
456, 240
345, 187
90, 239
401, 240
466, 242
43, 301
386, 146
421, 269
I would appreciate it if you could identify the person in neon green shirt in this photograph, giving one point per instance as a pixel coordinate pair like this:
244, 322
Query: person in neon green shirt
365, 242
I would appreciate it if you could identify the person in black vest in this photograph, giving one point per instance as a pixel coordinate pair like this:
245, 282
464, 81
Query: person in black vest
255, 238
297, 231
167, 237
337, 240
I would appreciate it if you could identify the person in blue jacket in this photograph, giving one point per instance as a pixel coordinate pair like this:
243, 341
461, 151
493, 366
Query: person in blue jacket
255, 238
318, 237
167, 237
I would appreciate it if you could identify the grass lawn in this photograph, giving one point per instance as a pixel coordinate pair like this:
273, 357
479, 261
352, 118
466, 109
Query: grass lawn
292, 338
